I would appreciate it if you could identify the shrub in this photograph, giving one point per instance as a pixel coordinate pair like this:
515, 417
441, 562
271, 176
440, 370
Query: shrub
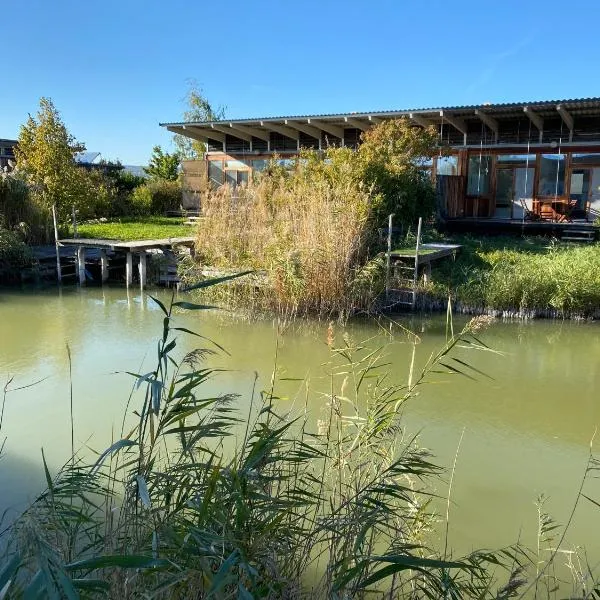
14, 253
20, 211
156, 197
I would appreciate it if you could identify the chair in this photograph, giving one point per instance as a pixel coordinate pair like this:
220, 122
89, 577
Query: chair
529, 213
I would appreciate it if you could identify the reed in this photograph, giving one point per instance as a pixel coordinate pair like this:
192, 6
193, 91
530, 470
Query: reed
310, 233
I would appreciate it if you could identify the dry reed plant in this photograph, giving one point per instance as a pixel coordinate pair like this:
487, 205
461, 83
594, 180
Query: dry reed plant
308, 232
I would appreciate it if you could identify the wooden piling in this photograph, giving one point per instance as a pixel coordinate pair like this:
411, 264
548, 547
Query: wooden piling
81, 264
104, 265
129, 268
142, 269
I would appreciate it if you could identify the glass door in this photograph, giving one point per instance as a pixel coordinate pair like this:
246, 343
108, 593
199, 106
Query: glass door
514, 189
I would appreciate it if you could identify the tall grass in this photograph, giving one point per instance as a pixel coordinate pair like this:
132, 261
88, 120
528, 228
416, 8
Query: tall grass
200, 499
526, 276
310, 234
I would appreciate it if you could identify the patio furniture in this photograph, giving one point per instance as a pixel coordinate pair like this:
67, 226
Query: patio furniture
528, 213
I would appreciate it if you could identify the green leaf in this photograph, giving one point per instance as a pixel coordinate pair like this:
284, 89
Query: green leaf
143, 491
220, 578
192, 306
214, 281
114, 448
402, 562
91, 584
124, 561
160, 305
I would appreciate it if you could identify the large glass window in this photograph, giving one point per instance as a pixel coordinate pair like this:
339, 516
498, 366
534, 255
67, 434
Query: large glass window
447, 165
517, 159
215, 173
585, 159
259, 164
479, 175
552, 175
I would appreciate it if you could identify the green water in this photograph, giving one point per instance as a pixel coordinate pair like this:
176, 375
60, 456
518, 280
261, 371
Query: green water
526, 431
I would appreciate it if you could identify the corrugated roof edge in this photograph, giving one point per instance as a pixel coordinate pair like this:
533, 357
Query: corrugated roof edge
488, 106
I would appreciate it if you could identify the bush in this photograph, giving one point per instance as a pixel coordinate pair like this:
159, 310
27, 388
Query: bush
156, 197
14, 253
20, 211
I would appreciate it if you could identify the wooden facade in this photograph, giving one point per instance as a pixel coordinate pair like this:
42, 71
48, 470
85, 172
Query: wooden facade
512, 162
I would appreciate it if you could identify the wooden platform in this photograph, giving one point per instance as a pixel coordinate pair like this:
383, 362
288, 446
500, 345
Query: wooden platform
428, 253
135, 246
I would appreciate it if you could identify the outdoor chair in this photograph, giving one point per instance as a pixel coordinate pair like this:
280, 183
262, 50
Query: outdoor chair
528, 213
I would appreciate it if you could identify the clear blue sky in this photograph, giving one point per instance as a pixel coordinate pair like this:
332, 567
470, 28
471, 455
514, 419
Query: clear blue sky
115, 69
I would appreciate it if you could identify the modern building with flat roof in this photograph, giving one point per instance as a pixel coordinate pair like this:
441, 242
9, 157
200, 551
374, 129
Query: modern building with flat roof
536, 161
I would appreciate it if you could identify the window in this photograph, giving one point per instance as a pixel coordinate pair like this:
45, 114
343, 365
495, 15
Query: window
586, 159
517, 159
447, 165
552, 175
215, 173
479, 175
260, 164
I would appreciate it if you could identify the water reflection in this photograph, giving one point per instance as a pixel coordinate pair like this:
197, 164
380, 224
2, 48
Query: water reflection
527, 429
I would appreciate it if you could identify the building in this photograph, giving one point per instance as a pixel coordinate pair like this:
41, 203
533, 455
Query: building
7, 154
532, 161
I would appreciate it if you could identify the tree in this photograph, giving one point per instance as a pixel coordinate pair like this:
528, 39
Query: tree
199, 109
163, 165
391, 158
45, 154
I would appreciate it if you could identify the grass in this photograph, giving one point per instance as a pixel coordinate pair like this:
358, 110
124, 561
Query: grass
524, 275
128, 229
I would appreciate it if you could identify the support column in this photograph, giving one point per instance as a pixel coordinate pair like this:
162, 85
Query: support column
104, 265
129, 268
142, 269
81, 264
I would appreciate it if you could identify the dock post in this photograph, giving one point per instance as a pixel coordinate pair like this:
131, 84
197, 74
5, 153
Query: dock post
129, 268
81, 264
427, 272
104, 265
142, 269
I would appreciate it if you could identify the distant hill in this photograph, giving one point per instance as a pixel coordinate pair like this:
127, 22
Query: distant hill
136, 170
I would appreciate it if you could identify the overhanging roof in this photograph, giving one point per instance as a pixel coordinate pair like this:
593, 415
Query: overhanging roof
334, 124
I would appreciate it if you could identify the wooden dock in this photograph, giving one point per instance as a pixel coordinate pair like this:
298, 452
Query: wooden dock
135, 250
428, 253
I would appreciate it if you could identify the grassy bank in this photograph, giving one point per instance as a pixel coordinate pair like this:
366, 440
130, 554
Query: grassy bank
526, 275
135, 228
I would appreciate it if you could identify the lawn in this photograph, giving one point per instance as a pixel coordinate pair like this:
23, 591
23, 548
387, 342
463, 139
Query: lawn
136, 228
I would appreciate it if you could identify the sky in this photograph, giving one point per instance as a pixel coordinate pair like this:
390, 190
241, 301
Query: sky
115, 69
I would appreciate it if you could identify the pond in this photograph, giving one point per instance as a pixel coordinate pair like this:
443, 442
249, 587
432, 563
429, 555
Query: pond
527, 427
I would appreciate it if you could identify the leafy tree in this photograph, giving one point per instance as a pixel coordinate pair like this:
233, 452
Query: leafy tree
45, 154
391, 158
199, 109
163, 165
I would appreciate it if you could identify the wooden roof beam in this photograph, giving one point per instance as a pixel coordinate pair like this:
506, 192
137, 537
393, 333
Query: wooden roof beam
329, 128
199, 133
357, 123
229, 130
261, 134
489, 122
456, 122
567, 119
287, 131
420, 120
307, 129
536, 120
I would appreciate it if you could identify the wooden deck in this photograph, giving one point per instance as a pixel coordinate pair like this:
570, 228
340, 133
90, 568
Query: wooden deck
134, 246
428, 253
